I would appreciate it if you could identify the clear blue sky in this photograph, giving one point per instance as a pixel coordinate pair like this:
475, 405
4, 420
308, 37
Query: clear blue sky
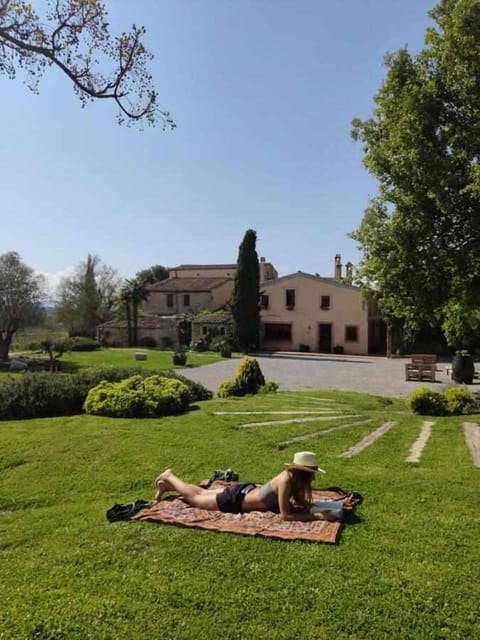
263, 93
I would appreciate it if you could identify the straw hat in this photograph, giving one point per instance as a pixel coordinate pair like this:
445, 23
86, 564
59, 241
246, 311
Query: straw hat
305, 461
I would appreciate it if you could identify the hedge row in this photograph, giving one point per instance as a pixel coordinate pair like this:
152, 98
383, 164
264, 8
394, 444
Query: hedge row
41, 395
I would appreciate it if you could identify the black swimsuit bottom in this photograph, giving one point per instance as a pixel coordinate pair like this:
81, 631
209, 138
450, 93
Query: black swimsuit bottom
231, 498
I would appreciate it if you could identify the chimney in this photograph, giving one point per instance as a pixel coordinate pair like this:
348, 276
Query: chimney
338, 268
262, 269
349, 272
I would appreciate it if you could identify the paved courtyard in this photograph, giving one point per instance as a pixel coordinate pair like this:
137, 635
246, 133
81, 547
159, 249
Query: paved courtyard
304, 372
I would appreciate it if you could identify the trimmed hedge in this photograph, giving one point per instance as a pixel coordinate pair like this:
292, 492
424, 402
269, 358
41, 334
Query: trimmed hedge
137, 397
454, 401
41, 394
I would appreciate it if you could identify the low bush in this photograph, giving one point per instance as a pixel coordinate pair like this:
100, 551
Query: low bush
458, 400
37, 395
426, 402
270, 386
180, 358
229, 388
200, 345
137, 397
78, 343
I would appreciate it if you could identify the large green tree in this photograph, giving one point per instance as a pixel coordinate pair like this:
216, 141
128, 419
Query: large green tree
21, 294
155, 273
420, 235
245, 304
88, 298
74, 37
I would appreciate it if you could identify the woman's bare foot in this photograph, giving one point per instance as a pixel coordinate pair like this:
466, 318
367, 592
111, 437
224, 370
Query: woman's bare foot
162, 484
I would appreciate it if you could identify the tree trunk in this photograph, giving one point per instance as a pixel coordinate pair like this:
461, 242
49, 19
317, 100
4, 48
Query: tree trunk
129, 324
5, 342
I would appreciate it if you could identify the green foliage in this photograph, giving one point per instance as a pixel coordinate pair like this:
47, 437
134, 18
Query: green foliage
458, 400
245, 304
137, 397
40, 394
20, 296
427, 403
248, 379
88, 298
420, 238
229, 388
270, 386
153, 274
180, 358
249, 375
78, 343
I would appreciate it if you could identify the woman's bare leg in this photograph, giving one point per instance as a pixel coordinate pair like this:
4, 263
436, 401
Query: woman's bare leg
195, 496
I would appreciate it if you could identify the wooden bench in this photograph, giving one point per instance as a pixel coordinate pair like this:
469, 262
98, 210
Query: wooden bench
422, 367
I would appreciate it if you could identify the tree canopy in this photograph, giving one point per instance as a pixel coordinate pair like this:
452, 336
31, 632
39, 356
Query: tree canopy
420, 235
153, 274
88, 298
245, 303
21, 294
74, 37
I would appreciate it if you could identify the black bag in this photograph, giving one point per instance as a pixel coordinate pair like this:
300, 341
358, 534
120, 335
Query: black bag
228, 476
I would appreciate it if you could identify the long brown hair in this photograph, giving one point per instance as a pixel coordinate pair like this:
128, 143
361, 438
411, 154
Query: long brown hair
302, 486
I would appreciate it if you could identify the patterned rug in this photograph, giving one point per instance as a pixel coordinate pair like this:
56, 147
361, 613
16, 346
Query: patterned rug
173, 510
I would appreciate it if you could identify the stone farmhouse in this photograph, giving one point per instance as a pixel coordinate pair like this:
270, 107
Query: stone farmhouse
299, 311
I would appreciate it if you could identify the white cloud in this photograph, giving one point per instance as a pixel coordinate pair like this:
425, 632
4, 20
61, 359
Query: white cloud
53, 279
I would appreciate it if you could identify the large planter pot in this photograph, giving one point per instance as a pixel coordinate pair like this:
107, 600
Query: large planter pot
463, 368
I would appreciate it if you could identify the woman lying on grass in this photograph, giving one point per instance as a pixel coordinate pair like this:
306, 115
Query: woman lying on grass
289, 493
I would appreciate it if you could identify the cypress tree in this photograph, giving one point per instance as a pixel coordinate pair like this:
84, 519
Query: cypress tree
246, 295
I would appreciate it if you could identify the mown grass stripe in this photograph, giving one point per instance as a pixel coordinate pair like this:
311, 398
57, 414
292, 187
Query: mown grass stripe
420, 443
323, 432
280, 413
294, 421
472, 437
367, 440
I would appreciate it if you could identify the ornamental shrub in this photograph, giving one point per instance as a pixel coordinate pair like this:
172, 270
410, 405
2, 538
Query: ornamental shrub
248, 379
270, 386
249, 375
458, 400
229, 388
179, 358
426, 402
148, 342
138, 397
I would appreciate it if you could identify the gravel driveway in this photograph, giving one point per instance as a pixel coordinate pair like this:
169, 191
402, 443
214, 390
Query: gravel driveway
302, 372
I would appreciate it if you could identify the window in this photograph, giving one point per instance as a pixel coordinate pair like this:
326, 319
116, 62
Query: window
204, 330
264, 302
351, 334
169, 299
325, 303
290, 298
277, 331
186, 300
221, 331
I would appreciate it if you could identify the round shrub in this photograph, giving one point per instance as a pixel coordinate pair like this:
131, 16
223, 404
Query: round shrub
458, 400
148, 342
427, 403
138, 397
249, 376
270, 386
78, 343
229, 388
179, 358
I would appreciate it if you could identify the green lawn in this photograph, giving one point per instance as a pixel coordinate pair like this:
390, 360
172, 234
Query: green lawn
126, 358
407, 569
